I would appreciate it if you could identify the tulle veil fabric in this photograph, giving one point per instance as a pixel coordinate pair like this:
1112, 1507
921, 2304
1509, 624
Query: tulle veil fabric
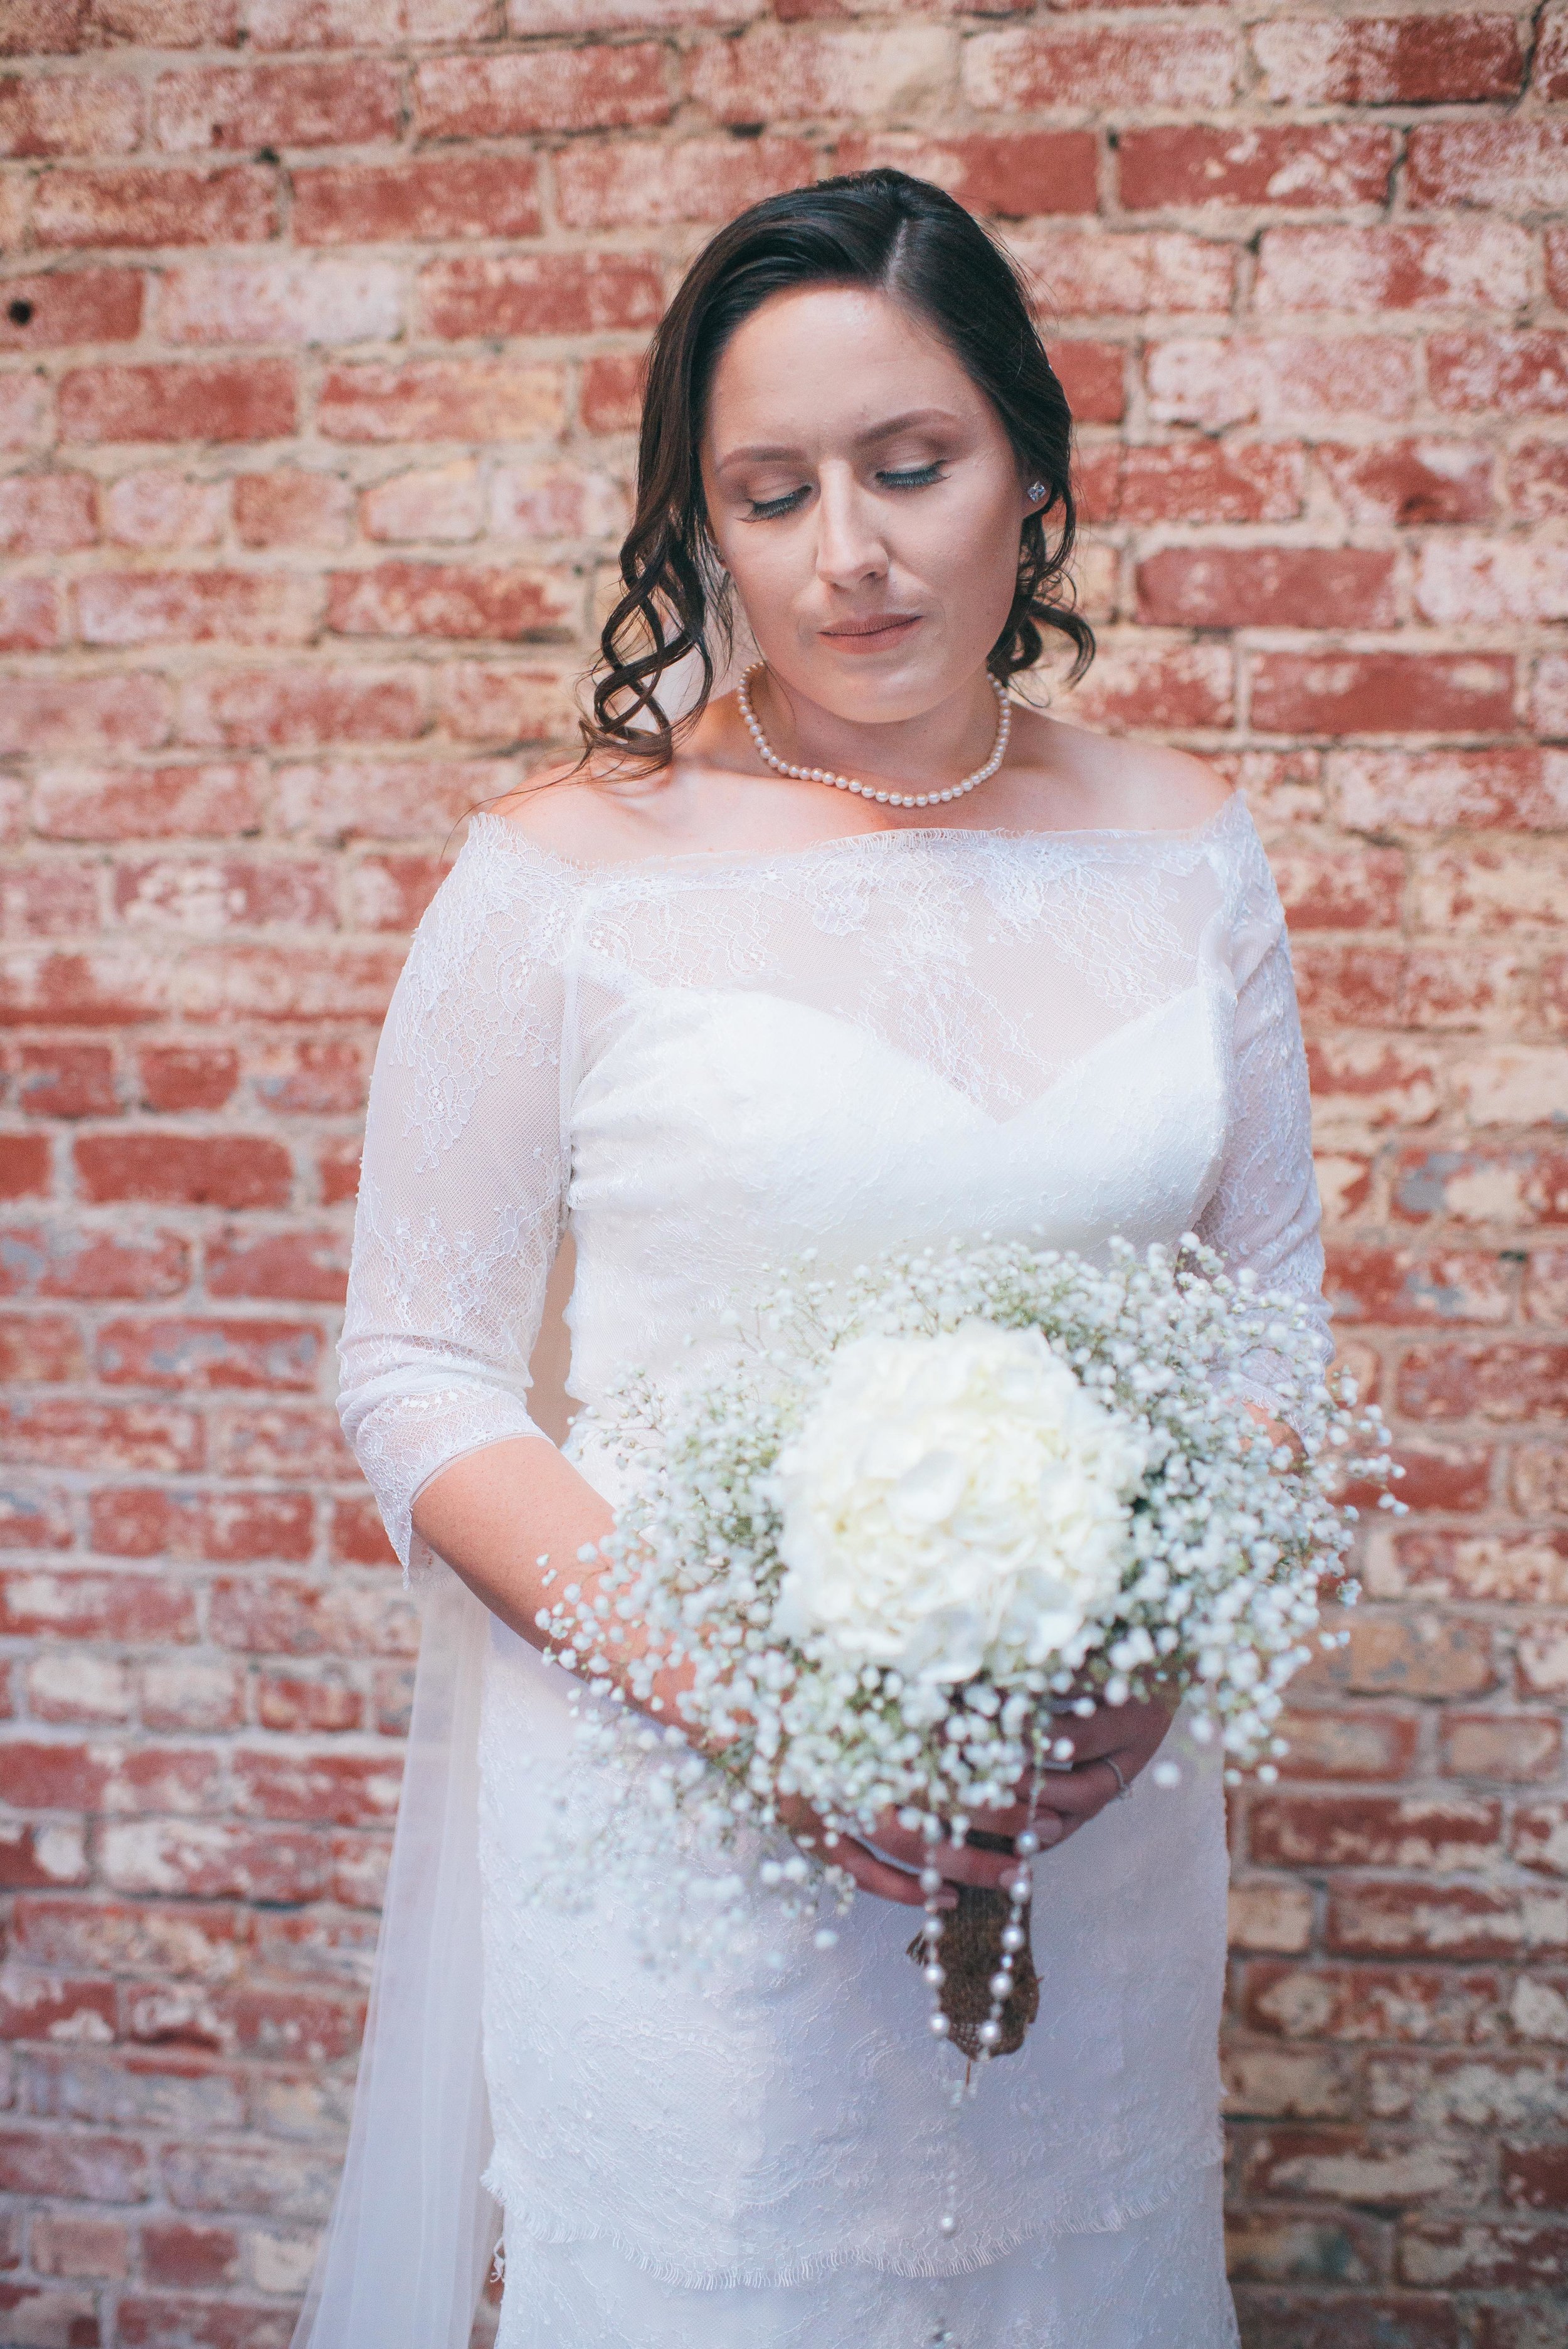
412, 2231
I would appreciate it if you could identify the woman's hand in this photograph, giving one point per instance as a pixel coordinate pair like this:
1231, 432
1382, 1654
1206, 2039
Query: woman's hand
1128, 1735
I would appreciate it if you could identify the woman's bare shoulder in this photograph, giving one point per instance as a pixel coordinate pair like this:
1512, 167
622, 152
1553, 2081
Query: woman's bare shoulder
588, 811
1118, 783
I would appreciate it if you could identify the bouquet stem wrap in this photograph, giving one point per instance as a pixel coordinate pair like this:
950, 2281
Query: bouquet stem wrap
971, 1953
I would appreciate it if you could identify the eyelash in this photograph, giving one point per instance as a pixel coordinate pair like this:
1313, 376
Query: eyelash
920, 477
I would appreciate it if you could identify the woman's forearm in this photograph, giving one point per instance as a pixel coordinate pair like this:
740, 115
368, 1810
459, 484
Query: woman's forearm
513, 1513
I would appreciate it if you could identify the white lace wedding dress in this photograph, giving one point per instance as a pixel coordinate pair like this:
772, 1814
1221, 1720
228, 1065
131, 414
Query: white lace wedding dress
704, 1064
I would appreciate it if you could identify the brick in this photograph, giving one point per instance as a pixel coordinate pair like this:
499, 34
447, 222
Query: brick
1216, 482
273, 982
1473, 2091
1540, 1837
1479, 2255
1514, 1087
189, 1696
612, 395
1550, 76
23, 424
356, 1536
1316, 2162
323, 1705
1141, 681
151, 205
1503, 165
579, 16
539, 294
1270, 586
1491, 891
433, 599
1284, 380
1093, 272
307, 1267
247, 607
42, 1853
35, 1519
108, 1774
1538, 480
772, 74
39, 1350
133, 1609
1299, 167
1381, 693
68, 2244
1500, 1569
267, 1441
173, 2252
497, 703
442, 399
208, 896
85, 2167
1361, 2002
200, 1355
444, 503
124, 712
298, 708
84, 1690
1516, 373
186, 1077
1290, 2083
391, 893
1486, 1381
1274, 2247
1100, 67
168, 24
1092, 375
621, 89
389, 800
72, 306
76, 114
211, 1860
67, 990
146, 803
1406, 482
365, 24
254, 400
1348, 2320
701, 179
278, 300
213, 1527
41, 899
1434, 1835
1363, 1743
1466, 581
1512, 1747
77, 1261
1270, 1913
211, 108
1482, 264
1517, 789
338, 1172
1542, 1660
1009, 175
289, 507
157, 507
350, 1790
188, 1170
32, 616
1453, 1920
1388, 60
47, 513
1325, 891
556, 500
288, 1617
425, 197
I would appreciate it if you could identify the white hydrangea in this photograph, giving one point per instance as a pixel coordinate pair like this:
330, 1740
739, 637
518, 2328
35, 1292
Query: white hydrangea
952, 1504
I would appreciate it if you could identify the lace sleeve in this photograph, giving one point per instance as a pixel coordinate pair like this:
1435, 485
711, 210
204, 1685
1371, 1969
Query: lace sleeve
461, 1193
1264, 1211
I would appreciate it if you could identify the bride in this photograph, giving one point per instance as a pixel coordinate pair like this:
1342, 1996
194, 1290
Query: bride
861, 953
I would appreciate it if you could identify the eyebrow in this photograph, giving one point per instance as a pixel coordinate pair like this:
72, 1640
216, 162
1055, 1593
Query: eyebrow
756, 452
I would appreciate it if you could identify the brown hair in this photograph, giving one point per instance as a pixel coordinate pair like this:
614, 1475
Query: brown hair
881, 229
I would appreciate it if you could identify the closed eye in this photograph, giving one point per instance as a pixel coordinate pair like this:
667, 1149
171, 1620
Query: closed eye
917, 477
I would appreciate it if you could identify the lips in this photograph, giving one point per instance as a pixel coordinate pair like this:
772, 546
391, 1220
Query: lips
885, 624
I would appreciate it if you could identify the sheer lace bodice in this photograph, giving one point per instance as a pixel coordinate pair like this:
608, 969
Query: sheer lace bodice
701, 1065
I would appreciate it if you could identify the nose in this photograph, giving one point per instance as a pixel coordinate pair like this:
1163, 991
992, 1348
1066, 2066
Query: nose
850, 548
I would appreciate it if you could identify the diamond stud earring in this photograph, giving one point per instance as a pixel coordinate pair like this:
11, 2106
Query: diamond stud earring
1035, 489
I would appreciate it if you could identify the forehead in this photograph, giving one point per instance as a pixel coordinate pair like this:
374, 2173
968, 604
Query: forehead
824, 362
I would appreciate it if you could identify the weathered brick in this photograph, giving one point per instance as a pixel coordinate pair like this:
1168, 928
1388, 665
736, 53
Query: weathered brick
1434, 1834
539, 294
776, 75
1102, 67
433, 599
1300, 168
289, 506
1389, 60
423, 197
144, 206
1506, 165
693, 179
618, 88
161, 507
280, 300
315, 104
47, 513
246, 608
213, 399
1270, 586
71, 305
1361, 2002
1408, 481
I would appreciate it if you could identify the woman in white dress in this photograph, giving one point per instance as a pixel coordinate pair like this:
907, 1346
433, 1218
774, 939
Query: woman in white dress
808, 968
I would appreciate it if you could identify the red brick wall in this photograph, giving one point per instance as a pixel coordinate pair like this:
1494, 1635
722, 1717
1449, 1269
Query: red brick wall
320, 326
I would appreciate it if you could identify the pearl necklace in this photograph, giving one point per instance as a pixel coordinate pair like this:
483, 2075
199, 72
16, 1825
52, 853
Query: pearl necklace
770, 757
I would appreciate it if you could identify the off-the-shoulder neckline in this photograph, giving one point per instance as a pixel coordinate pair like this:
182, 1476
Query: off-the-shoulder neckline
720, 860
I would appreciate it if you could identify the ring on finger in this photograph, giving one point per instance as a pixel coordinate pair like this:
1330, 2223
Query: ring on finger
1122, 1789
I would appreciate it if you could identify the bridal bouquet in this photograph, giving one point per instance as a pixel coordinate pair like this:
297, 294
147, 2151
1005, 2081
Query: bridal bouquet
923, 1517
